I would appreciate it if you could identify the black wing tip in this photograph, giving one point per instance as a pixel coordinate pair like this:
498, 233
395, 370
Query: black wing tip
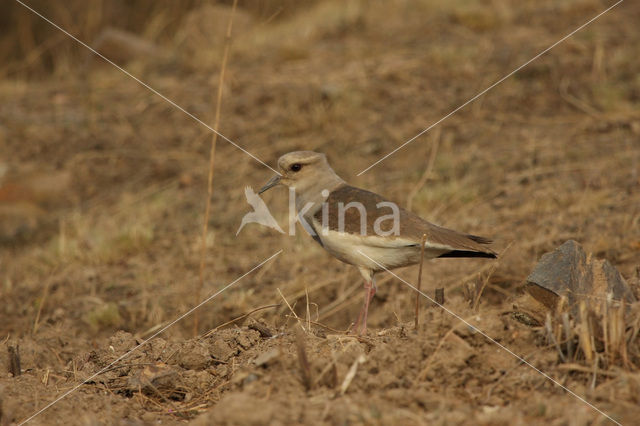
468, 253
480, 240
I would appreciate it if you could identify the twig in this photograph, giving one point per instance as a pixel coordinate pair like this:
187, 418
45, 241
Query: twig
588, 370
348, 378
422, 243
623, 342
568, 335
308, 311
291, 309
595, 372
552, 337
212, 156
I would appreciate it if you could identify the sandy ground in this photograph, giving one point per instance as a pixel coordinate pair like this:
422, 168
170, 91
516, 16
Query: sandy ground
103, 192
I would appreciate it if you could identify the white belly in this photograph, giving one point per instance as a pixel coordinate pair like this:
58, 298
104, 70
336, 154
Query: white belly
373, 252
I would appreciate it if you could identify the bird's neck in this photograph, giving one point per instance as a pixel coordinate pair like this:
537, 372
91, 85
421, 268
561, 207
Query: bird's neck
316, 192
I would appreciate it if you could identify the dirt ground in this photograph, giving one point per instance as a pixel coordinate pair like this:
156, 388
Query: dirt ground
103, 187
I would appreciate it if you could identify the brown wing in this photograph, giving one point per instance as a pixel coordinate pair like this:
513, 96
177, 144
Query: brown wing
411, 226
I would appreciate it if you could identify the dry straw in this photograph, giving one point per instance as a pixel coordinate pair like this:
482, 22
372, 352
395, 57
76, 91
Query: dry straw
422, 243
212, 157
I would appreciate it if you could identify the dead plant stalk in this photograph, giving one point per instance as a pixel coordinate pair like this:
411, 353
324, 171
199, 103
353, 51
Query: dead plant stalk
212, 156
422, 243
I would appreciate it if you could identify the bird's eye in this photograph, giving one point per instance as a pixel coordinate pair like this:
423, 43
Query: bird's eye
295, 167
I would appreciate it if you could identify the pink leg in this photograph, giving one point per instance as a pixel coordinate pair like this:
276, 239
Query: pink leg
361, 324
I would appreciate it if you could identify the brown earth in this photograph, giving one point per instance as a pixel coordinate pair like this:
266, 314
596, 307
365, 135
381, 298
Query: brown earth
103, 189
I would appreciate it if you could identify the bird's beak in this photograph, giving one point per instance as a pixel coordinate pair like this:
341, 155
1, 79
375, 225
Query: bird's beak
272, 182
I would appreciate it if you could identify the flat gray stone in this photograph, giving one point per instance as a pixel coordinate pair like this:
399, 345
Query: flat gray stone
568, 271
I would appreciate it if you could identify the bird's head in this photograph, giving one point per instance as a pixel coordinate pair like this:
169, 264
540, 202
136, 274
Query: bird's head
301, 170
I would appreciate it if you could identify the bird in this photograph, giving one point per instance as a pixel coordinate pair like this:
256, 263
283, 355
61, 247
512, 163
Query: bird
260, 213
362, 228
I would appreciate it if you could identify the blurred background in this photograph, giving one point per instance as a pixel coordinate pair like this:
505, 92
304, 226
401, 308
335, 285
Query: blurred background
103, 184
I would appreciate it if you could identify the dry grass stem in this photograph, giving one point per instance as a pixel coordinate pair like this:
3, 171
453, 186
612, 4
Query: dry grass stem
308, 310
351, 374
589, 370
568, 335
552, 336
418, 295
291, 309
212, 157
585, 333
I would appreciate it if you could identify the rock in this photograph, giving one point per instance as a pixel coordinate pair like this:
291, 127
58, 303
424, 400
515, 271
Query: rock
557, 273
122, 342
247, 339
194, 356
221, 350
568, 271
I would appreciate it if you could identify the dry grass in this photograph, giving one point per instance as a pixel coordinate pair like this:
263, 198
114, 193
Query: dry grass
550, 154
212, 159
